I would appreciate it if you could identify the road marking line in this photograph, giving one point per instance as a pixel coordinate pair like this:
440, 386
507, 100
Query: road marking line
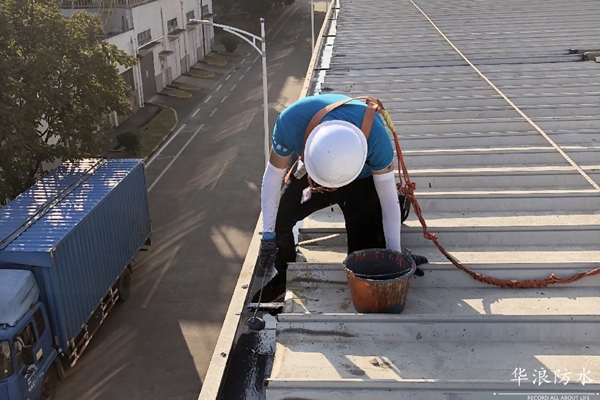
248, 55
220, 86
223, 100
195, 112
219, 176
164, 145
248, 69
241, 77
243, 61
255, 59
283, 24
278, 19
233, 87
207, 99
211, 114
161, 276
228, 76
174, 158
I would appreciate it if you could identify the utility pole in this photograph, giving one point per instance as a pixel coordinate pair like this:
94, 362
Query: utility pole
246, 36
312, 24
203, 31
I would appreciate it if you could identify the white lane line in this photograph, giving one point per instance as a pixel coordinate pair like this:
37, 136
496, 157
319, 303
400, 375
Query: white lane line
283, 24
243, 60
219, 87
278, 19
164, 145
223, 100
207, 99
211, 114
228, 76
233, 87
241, 77
255, 59
195, 112
248, 69
248, 55
175, 158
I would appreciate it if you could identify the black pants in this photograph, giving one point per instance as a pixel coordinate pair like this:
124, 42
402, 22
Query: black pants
359, 203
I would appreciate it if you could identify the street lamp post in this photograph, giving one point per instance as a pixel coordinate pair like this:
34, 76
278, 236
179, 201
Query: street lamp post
312, 25
263, 52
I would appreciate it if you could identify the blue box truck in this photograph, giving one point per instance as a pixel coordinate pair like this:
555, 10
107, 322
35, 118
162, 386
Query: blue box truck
66, 247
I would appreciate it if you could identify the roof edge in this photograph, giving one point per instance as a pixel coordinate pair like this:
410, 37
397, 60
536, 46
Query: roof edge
225, 343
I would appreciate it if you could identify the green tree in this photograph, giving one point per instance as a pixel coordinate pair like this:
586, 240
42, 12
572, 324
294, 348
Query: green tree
58, 82
230, 41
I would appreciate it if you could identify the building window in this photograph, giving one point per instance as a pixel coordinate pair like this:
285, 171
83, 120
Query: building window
144, 37
172, 25
189, 16
205, 10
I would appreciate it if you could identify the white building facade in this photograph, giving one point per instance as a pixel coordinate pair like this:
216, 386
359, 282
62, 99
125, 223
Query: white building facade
158, 32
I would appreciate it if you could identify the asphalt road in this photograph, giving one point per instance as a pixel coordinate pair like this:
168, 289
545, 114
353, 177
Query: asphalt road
204, 190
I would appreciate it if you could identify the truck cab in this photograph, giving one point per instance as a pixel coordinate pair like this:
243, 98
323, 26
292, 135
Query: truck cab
29, 364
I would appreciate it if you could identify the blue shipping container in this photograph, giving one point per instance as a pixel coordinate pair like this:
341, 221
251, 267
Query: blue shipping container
77, 229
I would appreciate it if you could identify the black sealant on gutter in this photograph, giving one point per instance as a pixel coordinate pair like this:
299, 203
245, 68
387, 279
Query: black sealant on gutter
250, 364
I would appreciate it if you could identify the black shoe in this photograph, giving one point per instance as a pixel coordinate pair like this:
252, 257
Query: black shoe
419, 260
272, 291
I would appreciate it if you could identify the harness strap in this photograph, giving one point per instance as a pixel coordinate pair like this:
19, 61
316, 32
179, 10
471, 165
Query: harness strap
368, 119
373, 105
316, 119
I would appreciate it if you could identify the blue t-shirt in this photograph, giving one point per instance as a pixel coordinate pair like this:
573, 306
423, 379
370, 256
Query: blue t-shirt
288, 135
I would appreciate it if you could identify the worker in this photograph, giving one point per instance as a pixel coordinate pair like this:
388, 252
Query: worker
6, 365
339, 164
19, 345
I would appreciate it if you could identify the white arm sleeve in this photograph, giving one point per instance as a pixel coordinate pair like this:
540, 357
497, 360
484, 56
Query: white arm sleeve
270, 195
385, 185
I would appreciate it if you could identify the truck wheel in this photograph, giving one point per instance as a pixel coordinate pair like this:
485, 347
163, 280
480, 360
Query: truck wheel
48, 390
124, 285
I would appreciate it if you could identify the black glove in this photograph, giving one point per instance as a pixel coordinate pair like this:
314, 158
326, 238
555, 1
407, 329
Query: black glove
266, 256
419, 260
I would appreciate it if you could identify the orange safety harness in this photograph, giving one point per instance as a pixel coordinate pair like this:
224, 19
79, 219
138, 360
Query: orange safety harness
408, 188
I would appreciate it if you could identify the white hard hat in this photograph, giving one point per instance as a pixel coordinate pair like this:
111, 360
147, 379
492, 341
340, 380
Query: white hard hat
335, 153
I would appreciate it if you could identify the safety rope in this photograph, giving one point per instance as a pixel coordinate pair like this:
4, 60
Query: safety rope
319, 239
408, 190
513, 105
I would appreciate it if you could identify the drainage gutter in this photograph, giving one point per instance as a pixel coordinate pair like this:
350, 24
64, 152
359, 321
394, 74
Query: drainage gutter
215, 376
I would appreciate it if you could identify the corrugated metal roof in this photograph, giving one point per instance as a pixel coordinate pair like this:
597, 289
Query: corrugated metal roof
501, 198
58, 221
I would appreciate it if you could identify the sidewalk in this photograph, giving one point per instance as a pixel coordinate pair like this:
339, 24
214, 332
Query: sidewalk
182, 107
186, 107
141, 118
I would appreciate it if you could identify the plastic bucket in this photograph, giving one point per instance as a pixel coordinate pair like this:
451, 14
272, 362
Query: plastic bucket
379, 280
